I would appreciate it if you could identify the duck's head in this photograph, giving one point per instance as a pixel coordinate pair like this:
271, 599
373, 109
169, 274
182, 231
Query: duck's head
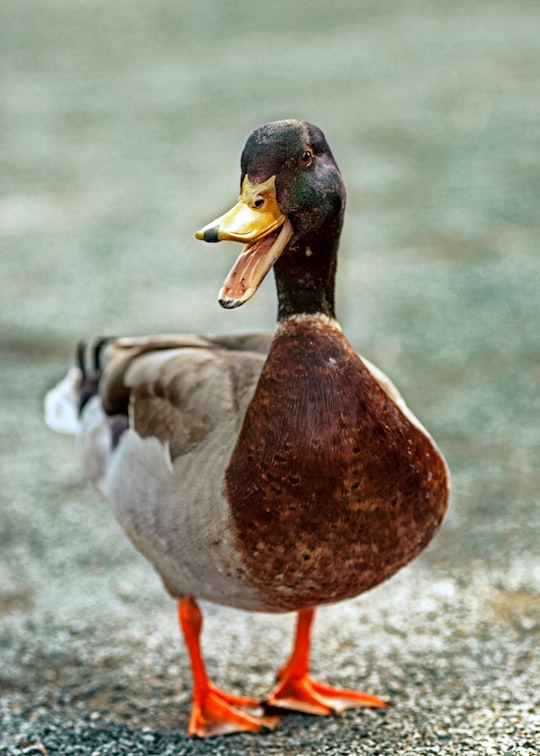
289, 215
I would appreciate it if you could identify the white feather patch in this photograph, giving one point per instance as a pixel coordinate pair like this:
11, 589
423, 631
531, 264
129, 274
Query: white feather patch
62, 404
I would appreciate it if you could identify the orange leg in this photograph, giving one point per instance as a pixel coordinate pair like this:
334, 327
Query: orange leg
214, 712
296, 690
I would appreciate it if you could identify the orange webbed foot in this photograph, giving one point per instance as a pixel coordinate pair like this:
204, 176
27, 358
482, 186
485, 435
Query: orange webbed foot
215, 712
302, 693
296, 690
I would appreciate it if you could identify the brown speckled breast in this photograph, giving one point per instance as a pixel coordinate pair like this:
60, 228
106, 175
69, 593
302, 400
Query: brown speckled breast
331, 488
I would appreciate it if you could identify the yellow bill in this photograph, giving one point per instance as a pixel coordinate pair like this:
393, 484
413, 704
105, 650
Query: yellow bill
256, 220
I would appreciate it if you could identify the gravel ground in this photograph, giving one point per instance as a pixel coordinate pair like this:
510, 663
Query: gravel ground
122, 129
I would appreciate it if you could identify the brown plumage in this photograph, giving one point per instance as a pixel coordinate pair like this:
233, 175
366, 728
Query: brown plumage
346, 489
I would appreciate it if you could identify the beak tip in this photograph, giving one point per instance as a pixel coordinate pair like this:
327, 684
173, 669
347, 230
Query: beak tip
228, 304
208, 234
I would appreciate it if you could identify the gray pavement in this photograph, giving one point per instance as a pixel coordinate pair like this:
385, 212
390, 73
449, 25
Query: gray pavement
122, 129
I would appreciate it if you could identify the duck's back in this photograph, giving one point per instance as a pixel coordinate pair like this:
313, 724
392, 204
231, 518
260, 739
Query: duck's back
332, 485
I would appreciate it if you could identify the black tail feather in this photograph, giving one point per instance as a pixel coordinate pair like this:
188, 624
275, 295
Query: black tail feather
89, 361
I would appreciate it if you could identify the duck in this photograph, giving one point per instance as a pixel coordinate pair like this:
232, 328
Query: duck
272, 472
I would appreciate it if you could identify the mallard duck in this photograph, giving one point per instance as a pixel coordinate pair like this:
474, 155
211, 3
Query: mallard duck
270, 473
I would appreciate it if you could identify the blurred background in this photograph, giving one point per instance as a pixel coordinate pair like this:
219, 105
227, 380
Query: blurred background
121, 130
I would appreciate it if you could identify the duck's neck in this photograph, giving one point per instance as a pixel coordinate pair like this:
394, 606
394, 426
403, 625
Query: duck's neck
305, 279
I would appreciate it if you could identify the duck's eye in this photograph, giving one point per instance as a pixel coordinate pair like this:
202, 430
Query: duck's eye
307, 157
258, 203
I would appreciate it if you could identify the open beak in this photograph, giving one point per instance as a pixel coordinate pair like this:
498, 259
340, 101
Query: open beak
257, 221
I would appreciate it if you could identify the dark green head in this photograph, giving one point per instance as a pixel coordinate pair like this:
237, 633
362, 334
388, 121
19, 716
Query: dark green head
289, 215
309, 188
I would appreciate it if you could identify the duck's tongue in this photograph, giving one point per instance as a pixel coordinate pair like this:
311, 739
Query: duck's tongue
252, 266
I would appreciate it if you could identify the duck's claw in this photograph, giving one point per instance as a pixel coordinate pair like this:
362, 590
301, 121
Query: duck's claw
218, 713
